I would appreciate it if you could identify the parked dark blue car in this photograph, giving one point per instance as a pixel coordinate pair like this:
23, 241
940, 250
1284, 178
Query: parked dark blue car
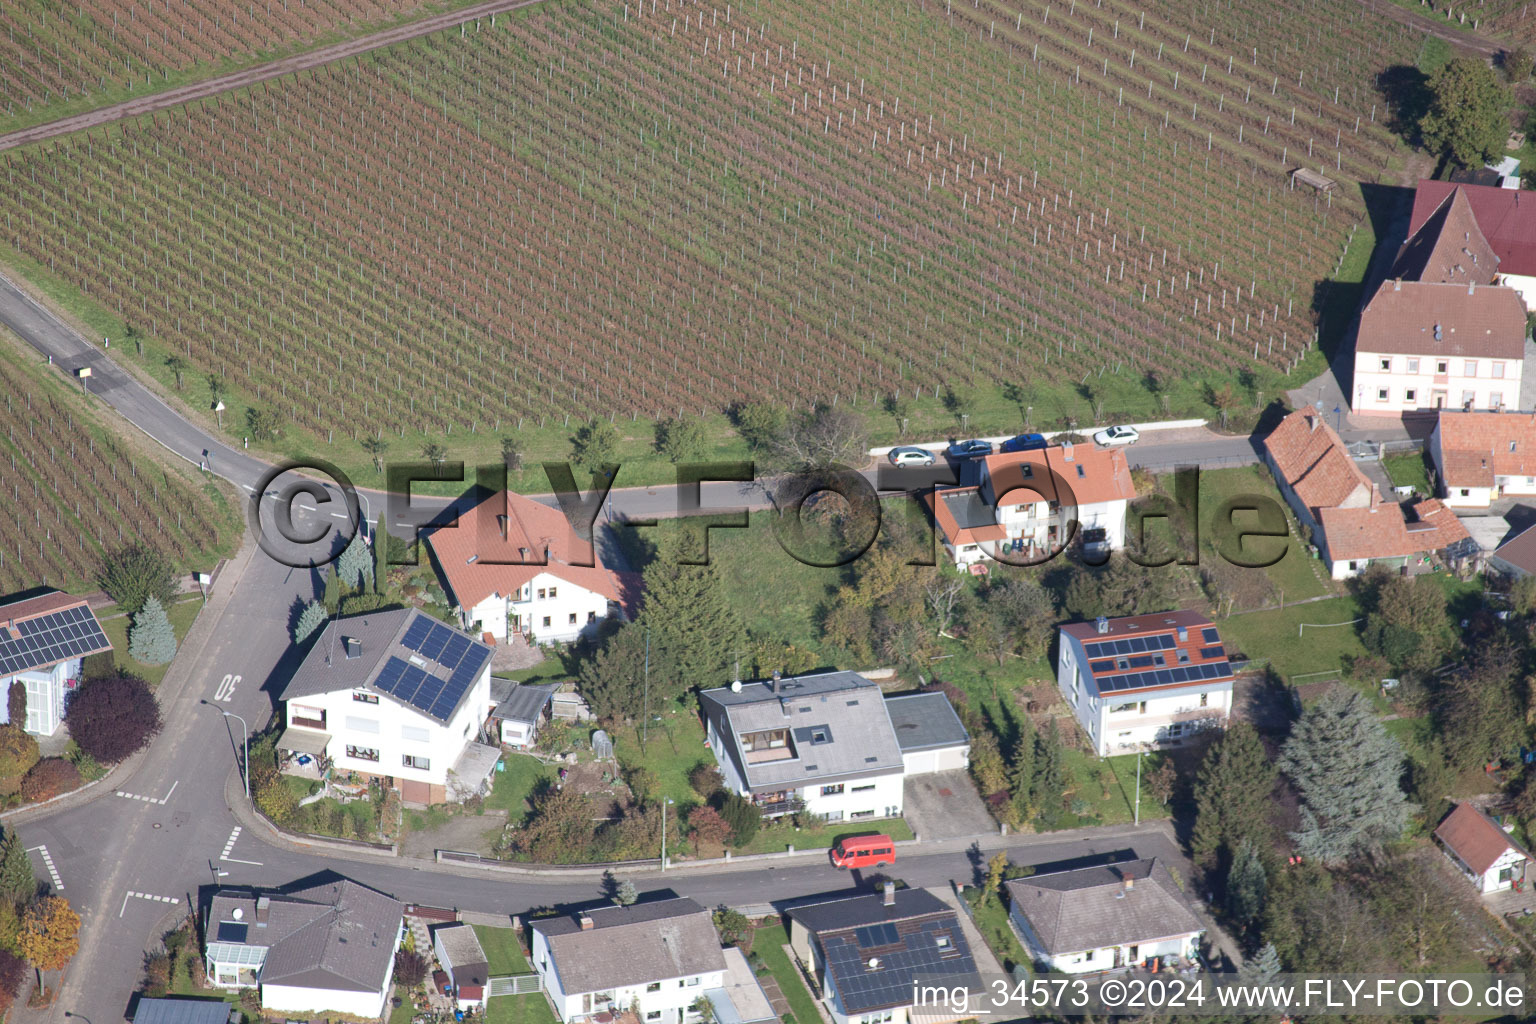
960, 451
1023, 443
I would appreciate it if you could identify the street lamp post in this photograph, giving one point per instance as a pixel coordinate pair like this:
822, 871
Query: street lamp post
1138, 787
666, 802
246, 731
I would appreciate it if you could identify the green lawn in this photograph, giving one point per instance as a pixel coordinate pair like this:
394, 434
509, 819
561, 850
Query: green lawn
992, 921
503, 954
1274, 635
1292, 576
403, 1013
1408, 470
768, 944
513, 786
182, 614
672, 747
529, 1009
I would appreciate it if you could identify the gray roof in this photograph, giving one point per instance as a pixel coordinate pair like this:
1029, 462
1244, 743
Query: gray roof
387, 645
837, 721
519, 703
465, 959
1090, 908
969, 508
632, 945
925, 721
855, 911
182, 1011
339, 935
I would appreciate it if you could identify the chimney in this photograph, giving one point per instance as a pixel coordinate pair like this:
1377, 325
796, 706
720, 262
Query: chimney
1312, 421
522, 553
1397, 285
890, 894
263, 909
1472, 285
1066, 451
354, 647
585, 922
773, 683
501, 522
1129, 883
1101, 624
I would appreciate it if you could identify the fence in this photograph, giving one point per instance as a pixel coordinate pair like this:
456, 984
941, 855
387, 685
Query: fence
1204, 461
515, 985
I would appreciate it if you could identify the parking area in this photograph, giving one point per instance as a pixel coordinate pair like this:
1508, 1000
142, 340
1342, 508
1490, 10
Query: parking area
944, 805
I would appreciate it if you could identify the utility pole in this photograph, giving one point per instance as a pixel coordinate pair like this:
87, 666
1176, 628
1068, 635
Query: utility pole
1138, 787
665, 803
645, 722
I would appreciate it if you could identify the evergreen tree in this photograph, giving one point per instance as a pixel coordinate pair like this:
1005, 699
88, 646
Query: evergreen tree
613, 680
626, 893
1050, 774
16, 704
310, 620
332, 597
355, 566
17, 882
1247, 885
130, 575
1347, 769
152, 641
1263, 967
1232, 793
696, 633
380, 556
1021, 772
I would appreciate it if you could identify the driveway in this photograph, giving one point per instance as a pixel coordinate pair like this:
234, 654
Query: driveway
944, 805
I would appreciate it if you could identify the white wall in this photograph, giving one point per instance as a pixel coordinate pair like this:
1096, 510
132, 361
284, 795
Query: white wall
396, 730
1488, 390
531, 610
293, 999
881, 794
45, 696
672, 998
1523, 284
1113, 731
1095, 960
944, 759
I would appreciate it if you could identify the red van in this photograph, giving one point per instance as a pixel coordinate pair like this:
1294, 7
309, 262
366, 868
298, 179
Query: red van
864, 851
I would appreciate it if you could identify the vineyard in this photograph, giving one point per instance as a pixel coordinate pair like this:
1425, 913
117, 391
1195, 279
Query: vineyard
52, 52
74, 492
1509, 19
659, 208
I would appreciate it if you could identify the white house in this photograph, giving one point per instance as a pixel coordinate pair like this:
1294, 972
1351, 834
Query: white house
1481, 850
822, 743
869, 953
458, 950
515, 567
395, 695
1506, 219
1144, 681
659, 957
324, 948
1480, 457
1103, 918
44, 639
1024, 504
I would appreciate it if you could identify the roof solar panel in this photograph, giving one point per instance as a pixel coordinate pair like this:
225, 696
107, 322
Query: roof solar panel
1210, 634
51, 638
410, 682
1138, 644
436, 640
1212, 652
389, 675
458, 646
417, 632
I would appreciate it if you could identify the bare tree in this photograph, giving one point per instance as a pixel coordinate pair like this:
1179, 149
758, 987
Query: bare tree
942, 593
822, 438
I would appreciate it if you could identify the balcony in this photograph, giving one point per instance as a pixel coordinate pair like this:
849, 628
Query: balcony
779, 803
318, 724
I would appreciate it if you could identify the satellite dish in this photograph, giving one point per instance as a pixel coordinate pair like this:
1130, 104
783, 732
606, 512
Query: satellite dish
736, 686
873, 962
239, 913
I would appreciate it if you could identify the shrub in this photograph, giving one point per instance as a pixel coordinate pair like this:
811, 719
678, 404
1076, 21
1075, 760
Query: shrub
18, 752
157, 973
113, 718
705, 779
48, 778
13, 970
743, 816
133, 574
410, 968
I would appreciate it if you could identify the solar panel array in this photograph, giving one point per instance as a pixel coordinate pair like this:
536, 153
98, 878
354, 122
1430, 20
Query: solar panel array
49, 639
1163, 677
436, 693
890, 984
1129, 645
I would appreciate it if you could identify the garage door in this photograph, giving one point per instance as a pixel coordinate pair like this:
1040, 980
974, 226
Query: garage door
921, 762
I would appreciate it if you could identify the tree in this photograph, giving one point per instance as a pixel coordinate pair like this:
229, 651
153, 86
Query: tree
1119, 587
707, 828
50, 934
10, 925
1407, 621
696, 632
1346, 767
942, 592
560, 829
264, 423
512, 454
16, 704
114, 717
744, 817
435, 453
1050, 773
731, 924
17, 882
49, 778
152, 640
704, 1010
1472, 708
410, 968
380, 555
310, 619
594, 445
177, 366
1012, 617
1432, 778
132, 575
1465, 120
828, 436
1263, 967
1232, 793
216, 388
626, 893
13, 968
682, 440
355, 565
376, 447
18, 752
997, 870
1021, 772
331, 597
1517, 65
1161, 780
759, 424
1247, 885
613, 680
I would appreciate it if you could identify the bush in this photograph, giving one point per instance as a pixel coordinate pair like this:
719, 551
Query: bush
48, 778
133, 574
743, 816
410, 968
13, 970
113, 718
157, 973
705, 779
89, 768
18, 752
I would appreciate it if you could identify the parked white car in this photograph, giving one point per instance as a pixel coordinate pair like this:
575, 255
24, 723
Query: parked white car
909, 455
1115, 437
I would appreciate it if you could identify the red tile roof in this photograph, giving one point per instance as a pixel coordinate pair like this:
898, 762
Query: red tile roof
1198, 647
43, 604
1310, 457
1474, 837
1477, 446
1474, 321
1507, 218
1382, 531
518, 532
1448, 248
1094, 474
943, 513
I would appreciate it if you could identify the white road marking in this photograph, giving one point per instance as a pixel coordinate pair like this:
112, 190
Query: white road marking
237, 860
53, 872
226, 690
162, 801
249, 488
131, 894
229, 845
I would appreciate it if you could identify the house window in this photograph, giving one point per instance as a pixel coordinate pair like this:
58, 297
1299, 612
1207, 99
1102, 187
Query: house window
416, 734
1183, 656
541, 593
692, 982
573, 619
362, 753
1386, 363
1498, 368
653, 1015
552, 591
1410, 395
1465, 493
1469, 368
1413, 366
1381, 394
1442, 365
1143, 707
355, 724
1468, 397
654, 986
1205, 700
591, 617
412, 761
546, 622
864, 789
366, 698
1176, 730
832, 790
1130, 706
1496, 399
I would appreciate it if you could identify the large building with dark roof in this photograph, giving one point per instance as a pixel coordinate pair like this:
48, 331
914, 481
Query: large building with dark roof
44, 640
394, 695
868, 952
323, 948
1144, 681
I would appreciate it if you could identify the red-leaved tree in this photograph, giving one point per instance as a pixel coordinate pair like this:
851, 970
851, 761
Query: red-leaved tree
707, 828
113, 717
48, 778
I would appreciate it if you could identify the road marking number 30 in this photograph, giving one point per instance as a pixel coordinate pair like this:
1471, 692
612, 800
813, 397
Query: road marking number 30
226, 690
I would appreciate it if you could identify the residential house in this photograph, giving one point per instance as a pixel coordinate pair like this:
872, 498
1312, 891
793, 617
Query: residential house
44, 640
520, 711
657, 957
1481, 850
1505, 218
514, 567
1515, 557
459, 952
149, 1010
1146, 680
1480, 457
324, 948
1103, 918
823, 743
1023, 505
1341, 508
397, 696
929, 733
868, 953
740, 999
